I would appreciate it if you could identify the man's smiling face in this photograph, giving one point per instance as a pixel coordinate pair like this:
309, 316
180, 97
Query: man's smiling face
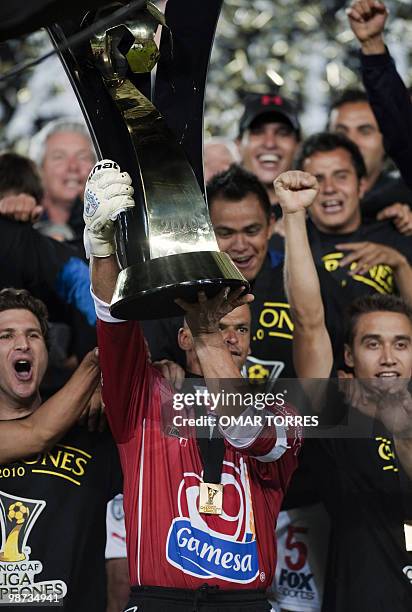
336, 208
357, 121
242, 230
268, 147
382, 348
67, 162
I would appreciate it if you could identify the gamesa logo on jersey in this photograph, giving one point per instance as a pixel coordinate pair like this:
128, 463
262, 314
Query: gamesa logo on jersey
227, 548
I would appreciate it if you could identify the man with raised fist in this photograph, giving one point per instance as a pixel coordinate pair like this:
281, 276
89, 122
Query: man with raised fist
388, 96
364, 473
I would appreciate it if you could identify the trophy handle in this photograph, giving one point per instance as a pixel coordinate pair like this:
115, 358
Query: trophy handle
182, 73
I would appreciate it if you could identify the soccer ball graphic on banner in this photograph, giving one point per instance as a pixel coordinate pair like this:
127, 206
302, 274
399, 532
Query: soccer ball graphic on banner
18, 512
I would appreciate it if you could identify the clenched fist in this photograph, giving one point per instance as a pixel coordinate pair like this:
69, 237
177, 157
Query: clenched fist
295, 191
20, 207
367, 19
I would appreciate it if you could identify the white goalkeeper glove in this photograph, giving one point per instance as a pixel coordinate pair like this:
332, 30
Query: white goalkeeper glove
108, 192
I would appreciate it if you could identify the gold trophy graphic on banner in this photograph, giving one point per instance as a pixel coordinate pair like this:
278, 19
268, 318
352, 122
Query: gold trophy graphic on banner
167, 246
17, 518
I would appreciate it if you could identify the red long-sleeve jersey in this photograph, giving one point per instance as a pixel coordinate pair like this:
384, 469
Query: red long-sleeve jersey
169, 542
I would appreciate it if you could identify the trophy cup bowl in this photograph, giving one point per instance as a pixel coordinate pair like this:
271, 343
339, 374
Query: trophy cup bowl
147, 289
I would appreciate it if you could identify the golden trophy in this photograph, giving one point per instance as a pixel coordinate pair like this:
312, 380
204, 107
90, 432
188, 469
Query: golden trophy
167, 245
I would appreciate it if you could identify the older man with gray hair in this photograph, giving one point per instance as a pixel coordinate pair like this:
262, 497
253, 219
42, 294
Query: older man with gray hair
65, 155
218, 155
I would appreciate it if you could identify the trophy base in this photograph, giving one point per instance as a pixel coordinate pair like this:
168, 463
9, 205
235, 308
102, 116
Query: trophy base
147, 290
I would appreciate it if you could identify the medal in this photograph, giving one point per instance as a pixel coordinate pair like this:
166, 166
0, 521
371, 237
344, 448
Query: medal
210, 498
212, 452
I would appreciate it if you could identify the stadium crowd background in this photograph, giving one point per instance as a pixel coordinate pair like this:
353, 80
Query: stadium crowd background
307, 49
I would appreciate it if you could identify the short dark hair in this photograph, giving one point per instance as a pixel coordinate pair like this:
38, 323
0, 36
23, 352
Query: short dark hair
19, 174
235, 184
11, 298
325, 142
348, 96
376, 302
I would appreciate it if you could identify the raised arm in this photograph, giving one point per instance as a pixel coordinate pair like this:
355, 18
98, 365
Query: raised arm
104, 274
261, 439
387, 93
108, 192
367, 19
312, 349
42, 429
126, 374
203, 319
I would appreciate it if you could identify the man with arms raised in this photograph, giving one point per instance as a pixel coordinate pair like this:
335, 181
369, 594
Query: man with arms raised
361, 257
27, 426
52, 502
180, 556
389, 98
360, 479
239, 209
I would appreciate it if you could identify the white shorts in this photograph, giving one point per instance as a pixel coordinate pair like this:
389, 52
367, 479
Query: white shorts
302, 541
115, 529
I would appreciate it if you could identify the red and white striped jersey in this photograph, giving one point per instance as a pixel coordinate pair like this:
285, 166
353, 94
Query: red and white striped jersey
169, 542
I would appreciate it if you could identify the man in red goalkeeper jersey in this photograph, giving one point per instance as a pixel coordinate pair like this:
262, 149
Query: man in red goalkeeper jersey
181, 558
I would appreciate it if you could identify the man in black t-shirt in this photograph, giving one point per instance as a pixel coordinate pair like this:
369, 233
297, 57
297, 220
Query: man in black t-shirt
52, 271
388, 95
361, 258
52, 504
352, 115
240, 213
366, 482
358, 258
